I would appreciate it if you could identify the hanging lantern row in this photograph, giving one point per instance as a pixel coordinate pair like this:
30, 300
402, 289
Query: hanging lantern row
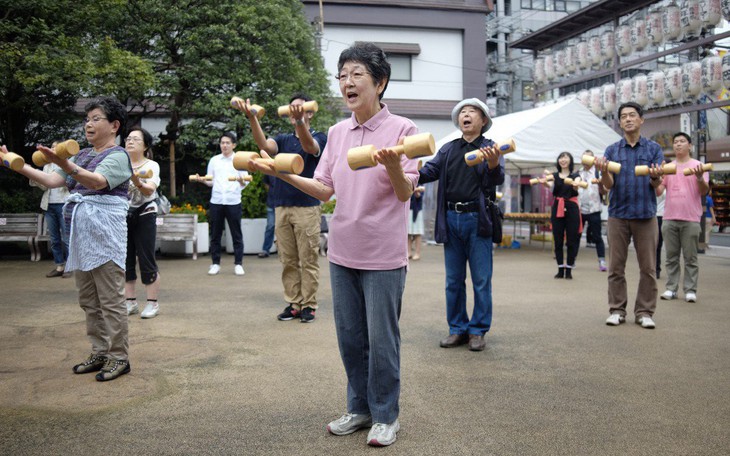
667, 22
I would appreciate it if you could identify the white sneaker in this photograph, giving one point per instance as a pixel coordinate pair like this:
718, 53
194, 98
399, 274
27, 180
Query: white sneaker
383, 434
238, 270
669, 295
214, 269
646, 322
615, 319
132, 307
151, 310
690, 297
349, 423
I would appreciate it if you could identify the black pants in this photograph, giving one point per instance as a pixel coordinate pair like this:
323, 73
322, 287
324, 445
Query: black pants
566, 228
141, 233
217, 215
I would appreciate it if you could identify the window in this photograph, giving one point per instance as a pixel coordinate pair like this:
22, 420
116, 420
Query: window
400, 66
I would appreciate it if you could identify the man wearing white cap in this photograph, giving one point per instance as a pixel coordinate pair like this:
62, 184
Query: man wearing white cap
463, 223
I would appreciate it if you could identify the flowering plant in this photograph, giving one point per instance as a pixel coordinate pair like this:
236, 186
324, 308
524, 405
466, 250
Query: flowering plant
190, 209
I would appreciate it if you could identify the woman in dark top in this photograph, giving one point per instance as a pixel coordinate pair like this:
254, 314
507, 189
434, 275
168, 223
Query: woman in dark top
565, 215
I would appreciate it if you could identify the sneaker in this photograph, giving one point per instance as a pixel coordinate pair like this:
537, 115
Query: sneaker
214, 269
238, 270
92, 364
264, 255
602, 265
307, 315
55, 273
289, 313
690, 297
646, 322
615, 319
132, 307
68, 274
112, 369
150, 310
669, 295
349, 423
383, 434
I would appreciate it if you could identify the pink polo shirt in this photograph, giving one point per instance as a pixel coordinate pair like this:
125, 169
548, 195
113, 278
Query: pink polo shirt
369, 229
683, 200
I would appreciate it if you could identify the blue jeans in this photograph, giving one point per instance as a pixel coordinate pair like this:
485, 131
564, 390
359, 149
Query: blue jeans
217, 215
367, 307
57, 232
270, 225
465, 245
592, 226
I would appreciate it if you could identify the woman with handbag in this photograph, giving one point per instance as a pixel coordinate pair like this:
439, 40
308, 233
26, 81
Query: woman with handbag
467, 219
142, 223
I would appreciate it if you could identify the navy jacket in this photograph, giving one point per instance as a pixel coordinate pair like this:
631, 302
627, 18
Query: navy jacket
435, 169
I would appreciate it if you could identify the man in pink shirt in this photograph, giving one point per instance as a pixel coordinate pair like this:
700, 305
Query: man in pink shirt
682, 213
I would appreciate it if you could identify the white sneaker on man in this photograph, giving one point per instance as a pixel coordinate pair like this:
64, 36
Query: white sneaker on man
669, 295
690, 297
615, 319
150, 310
214, 269
349, 423
382, 434
238, 270
646, 322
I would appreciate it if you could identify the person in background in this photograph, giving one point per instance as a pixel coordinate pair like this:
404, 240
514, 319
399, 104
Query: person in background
52, 206
225, 204
415, 224
589, 200
142, 224
659, 218
710, 219
682, 212
270, 185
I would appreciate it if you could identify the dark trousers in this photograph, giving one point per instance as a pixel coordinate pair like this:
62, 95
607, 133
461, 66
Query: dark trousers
141, 233
217, 214
659, 244
566, 228
592, 227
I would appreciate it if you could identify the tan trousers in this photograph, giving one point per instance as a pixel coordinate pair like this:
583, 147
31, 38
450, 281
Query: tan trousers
645, 234
297, 241
101, 296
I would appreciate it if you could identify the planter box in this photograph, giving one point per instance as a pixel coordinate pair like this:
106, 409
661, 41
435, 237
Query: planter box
186, 247
254, 231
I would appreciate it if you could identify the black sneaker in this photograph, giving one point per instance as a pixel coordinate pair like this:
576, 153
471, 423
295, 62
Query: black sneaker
289, 313
307, 315
112, 369
93, 363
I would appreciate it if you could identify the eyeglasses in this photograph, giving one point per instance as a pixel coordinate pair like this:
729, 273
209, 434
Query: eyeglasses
356, 76
95, 119
134, 139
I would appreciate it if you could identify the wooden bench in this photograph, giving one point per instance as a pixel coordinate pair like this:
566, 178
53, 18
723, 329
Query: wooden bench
179, 227
22, 228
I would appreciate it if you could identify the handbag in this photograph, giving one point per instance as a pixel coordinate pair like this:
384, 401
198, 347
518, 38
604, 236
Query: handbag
163, 204
495, 213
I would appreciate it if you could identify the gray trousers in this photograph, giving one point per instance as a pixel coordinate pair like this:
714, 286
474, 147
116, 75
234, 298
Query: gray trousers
681, 237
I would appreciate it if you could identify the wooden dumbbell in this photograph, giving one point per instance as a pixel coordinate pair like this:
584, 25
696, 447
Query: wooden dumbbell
65, 150
12, 160
283, 163
613, 167
256, 110
499, 195
705, 167
309, 106
146, 174
473, 158
414, 146
246, 178
579, 183
536, 180
196, 177
643, 170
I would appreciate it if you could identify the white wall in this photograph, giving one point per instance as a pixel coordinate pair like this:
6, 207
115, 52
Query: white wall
436, 73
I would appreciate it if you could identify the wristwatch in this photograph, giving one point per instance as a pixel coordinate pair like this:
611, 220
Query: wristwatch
75, 171
300, 122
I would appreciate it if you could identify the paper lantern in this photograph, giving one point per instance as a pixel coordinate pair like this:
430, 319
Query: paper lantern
638, 35
623, 40
583, 97
655, 28
608, 45
655, 88
608, 93
710, 12
624, 92
639, 90
712, 75
673, 85
725, 8
691, 80
672, 22
582, 49
726, 70
595, 101
594, 50
570, 59
560, 63
550, 67
690, 18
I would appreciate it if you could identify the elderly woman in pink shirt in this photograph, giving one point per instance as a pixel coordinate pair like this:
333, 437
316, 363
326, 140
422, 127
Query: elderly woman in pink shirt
367, 242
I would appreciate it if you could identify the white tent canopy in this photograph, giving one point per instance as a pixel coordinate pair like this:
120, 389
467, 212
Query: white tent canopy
542, 133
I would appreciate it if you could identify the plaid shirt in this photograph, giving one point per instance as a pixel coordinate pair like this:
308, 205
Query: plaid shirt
633, 197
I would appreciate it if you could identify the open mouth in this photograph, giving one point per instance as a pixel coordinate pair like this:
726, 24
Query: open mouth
467, 122
351, 96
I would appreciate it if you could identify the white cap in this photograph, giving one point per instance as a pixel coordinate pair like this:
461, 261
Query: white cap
477, 103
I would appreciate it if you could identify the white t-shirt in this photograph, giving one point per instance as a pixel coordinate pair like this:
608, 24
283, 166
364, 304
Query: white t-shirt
136, 198
224, 191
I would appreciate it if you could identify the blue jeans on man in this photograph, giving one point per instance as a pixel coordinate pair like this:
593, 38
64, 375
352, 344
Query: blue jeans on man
57, 232
465, 245
270, 226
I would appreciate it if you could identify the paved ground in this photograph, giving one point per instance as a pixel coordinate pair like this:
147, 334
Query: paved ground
216, 373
